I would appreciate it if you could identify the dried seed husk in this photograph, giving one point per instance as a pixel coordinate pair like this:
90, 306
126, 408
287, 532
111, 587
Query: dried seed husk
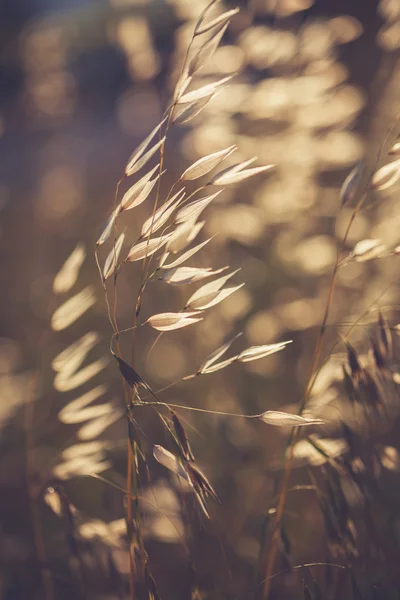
194, 209
184, 235
170, 321
214, 356
207, 50
257, 352
136, 161
218, 366
146, 248
203, 92
161, 216
368, 250
209, 288
229, 177
215, 298
138, 192
186, 275
235, 168
108, 227
112, 258
281, 419
218, 21
188, 254
186, 112
146, 157
206, 164
170, 461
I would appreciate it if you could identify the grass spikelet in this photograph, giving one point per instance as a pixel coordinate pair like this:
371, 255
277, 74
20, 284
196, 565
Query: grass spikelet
171, 321
206, 164
144, 249
138, 158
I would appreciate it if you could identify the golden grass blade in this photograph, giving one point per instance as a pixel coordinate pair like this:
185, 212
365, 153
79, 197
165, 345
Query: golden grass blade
73, 309
145, 158
68, 274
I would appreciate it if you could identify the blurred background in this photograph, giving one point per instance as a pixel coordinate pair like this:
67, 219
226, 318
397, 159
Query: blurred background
81, 84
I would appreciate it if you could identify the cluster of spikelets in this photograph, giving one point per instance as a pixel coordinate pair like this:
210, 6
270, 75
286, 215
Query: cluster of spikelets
165, 245
167, 242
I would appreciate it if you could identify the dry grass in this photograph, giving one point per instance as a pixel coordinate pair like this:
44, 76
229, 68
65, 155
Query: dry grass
308, 514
